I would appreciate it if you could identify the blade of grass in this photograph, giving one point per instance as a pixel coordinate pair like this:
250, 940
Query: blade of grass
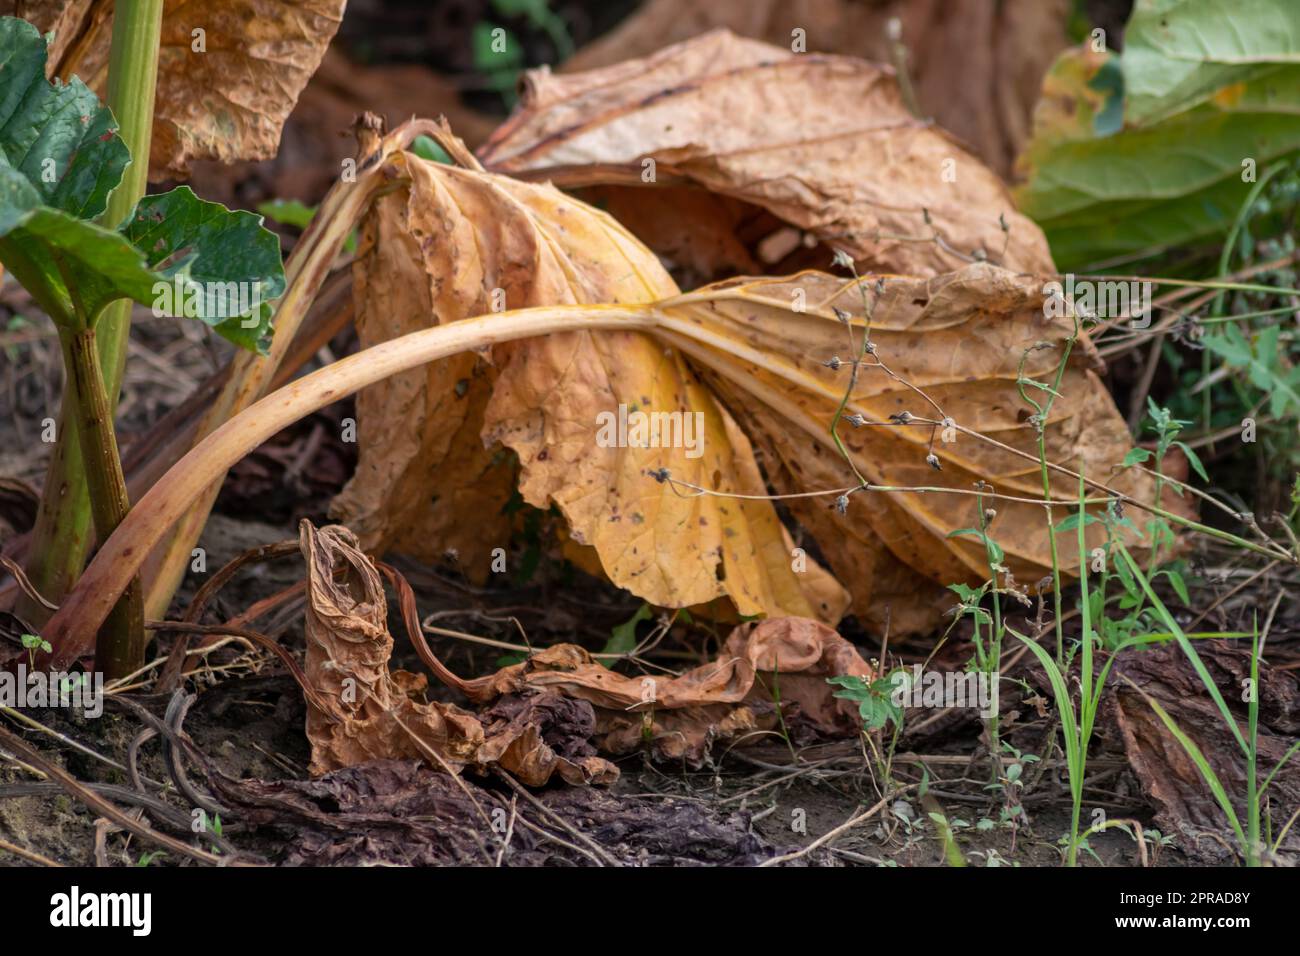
1198, 758
1197, 664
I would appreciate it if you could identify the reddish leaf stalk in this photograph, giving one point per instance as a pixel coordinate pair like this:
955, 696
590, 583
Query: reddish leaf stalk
73, 629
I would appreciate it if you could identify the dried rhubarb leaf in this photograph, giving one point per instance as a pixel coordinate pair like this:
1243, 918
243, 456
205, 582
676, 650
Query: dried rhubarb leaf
455, 243
753, 360
348, 648
976, 66
544, 713
949, 347
229, 71
680, 718
824, 143
375, 714
425, 484
532, 735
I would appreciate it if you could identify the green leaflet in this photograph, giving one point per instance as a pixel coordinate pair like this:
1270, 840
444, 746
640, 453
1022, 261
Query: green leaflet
1204, 87
60, 157
1263, 364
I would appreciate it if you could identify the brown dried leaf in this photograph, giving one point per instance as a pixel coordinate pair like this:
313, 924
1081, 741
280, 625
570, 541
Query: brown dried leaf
824, 143
679, 718
950, 348
976, 66
532, 735
751, 357
376, 714
544, 710
226, 101
454, 243
425, 484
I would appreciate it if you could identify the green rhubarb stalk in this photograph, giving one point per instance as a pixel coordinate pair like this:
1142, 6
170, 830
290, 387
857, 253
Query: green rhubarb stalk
62, 536
121, 650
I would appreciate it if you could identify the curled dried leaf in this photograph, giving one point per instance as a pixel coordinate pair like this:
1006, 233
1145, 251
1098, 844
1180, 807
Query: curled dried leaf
541, 712
373, 713
823, 143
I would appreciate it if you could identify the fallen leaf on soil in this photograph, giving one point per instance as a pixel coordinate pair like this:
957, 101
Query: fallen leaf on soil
226, 100
734, 116
976, 66
1187, 809
541, 712
375, 713
680, 718
456, 243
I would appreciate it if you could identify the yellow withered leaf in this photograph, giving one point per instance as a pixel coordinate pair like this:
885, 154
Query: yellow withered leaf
949, 357
590, 417
942, 429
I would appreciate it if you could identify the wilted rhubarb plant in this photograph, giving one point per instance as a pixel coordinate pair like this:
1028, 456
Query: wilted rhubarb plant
60, 158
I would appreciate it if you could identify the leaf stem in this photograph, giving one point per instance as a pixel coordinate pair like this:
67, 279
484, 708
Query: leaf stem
123, 651
73, 628
62, 535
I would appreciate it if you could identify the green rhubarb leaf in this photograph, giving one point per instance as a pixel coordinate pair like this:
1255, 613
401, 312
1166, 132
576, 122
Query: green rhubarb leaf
226, 265
1181, 53
71, 267
1209, 94
60, 157
58, 135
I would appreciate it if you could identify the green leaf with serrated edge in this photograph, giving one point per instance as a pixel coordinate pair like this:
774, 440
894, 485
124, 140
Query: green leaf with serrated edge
204, 247
59, 159
1135, 456
1236, 351
177, 254
47, 249
56, 134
